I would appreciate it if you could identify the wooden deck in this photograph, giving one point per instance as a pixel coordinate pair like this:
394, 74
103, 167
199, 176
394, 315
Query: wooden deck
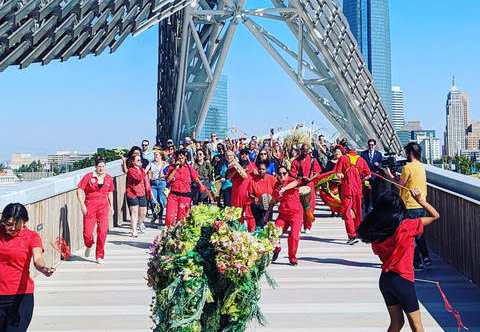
334, 288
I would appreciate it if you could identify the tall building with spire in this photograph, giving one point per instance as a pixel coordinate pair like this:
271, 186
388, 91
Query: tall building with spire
457, 121
398, 115
369, 22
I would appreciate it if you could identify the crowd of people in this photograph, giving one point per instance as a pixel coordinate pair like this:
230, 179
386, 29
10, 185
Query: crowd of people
253, 175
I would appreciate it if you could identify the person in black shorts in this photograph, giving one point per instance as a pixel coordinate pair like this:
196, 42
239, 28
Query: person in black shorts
392, 238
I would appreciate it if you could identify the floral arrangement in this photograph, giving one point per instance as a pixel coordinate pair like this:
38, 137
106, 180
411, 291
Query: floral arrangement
206, 272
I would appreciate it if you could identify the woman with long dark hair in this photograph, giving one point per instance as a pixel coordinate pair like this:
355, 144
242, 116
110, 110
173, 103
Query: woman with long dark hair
18, 245
392, 238
137, 195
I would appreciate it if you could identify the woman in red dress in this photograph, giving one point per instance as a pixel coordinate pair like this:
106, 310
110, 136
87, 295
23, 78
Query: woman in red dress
18, 245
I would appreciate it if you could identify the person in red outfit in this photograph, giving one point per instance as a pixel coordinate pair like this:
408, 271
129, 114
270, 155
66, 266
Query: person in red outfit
352, 169
304, 169
98, 188
180, 176
392, 238
240, 188
18, 245
137, 194
290, 211
259, 185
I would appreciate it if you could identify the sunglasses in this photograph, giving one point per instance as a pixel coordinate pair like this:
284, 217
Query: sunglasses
371, 144
282, 173
263, 153
144, 144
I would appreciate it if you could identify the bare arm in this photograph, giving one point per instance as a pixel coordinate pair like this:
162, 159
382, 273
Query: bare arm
110, 202
431, 212
83, 207
40, 263
270, 207
124, 166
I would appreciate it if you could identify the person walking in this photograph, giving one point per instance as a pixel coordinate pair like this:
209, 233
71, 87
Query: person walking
18, 245
98, 187
392, 234
352, 170
373, 158
180, 177
260, 184
137, 195
290, 212
205, 173
226, 187
158, 183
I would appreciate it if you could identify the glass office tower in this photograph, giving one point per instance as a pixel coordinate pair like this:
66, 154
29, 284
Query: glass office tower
217, 116
369, 22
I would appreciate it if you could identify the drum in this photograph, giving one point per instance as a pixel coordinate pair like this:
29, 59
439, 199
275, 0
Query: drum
217, 186
305, 196
240, 169
265, 200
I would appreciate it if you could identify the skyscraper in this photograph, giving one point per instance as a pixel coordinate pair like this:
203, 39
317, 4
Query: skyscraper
398, 115
457, 110
217, 116
369, 22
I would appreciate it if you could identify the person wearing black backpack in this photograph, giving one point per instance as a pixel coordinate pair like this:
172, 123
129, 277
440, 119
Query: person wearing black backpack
180, 176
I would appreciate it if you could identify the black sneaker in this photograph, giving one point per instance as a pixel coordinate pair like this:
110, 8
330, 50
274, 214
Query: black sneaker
418, 267
275, 256
293, 263
427, 261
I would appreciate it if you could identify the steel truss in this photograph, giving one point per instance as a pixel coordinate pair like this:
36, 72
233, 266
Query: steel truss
195, 37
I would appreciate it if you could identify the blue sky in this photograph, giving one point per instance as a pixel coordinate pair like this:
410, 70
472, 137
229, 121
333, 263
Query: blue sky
109, 101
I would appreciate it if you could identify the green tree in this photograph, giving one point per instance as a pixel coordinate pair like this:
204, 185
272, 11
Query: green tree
108, 155
463, 164
2, 166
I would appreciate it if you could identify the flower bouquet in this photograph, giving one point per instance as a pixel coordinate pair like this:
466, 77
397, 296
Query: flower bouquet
206, 272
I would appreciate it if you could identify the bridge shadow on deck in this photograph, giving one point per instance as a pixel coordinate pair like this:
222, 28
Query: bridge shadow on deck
339, 261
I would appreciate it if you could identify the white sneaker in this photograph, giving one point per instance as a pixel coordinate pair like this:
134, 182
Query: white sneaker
99, 261
141, 228
307, 231
134, 233
87, 252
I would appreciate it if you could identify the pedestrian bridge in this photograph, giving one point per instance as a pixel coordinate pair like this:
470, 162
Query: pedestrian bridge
334, 287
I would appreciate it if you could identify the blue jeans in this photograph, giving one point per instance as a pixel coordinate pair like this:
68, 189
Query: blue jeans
421, 249
157, 189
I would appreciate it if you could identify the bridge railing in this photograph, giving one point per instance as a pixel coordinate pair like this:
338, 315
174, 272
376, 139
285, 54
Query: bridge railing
54, 210
456, 236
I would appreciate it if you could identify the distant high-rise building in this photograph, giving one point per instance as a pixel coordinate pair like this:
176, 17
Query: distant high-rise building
398, 115
217, 116
473, 136
369, 22
457, 110
431, 149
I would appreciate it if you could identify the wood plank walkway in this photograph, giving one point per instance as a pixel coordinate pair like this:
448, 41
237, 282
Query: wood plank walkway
334, 288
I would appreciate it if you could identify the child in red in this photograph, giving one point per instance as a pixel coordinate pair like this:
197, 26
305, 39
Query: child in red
18, 245
392, 238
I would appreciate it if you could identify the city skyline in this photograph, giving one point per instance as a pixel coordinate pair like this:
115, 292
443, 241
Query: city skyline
54, 99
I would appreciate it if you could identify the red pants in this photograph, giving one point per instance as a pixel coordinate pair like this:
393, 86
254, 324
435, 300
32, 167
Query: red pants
351, 224
294, 221
250, 220
177, 209
97, 213
306, 224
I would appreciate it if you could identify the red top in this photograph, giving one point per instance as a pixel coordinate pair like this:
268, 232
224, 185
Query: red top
353, 169
15, 256
182, 178
290, 199
135, 182
89, 184
306, 163
240, 185
258, 186
396, 252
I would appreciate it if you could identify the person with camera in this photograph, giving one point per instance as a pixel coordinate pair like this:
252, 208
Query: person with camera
390, 230
180, 177
352, 170
373, 158
413, 176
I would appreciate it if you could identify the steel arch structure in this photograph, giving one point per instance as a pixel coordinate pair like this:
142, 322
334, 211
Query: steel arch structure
194, 40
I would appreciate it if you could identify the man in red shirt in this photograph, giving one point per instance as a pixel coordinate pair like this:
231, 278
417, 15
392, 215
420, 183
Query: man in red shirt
240, 188
290, 211
180, 176
259, 185
352, 170
304, 168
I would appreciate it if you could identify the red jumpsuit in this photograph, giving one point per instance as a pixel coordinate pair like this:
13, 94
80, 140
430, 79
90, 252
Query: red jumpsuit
180, 197
96, 200
307, 169
257, 187
240, 194
290, 215
353, 169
